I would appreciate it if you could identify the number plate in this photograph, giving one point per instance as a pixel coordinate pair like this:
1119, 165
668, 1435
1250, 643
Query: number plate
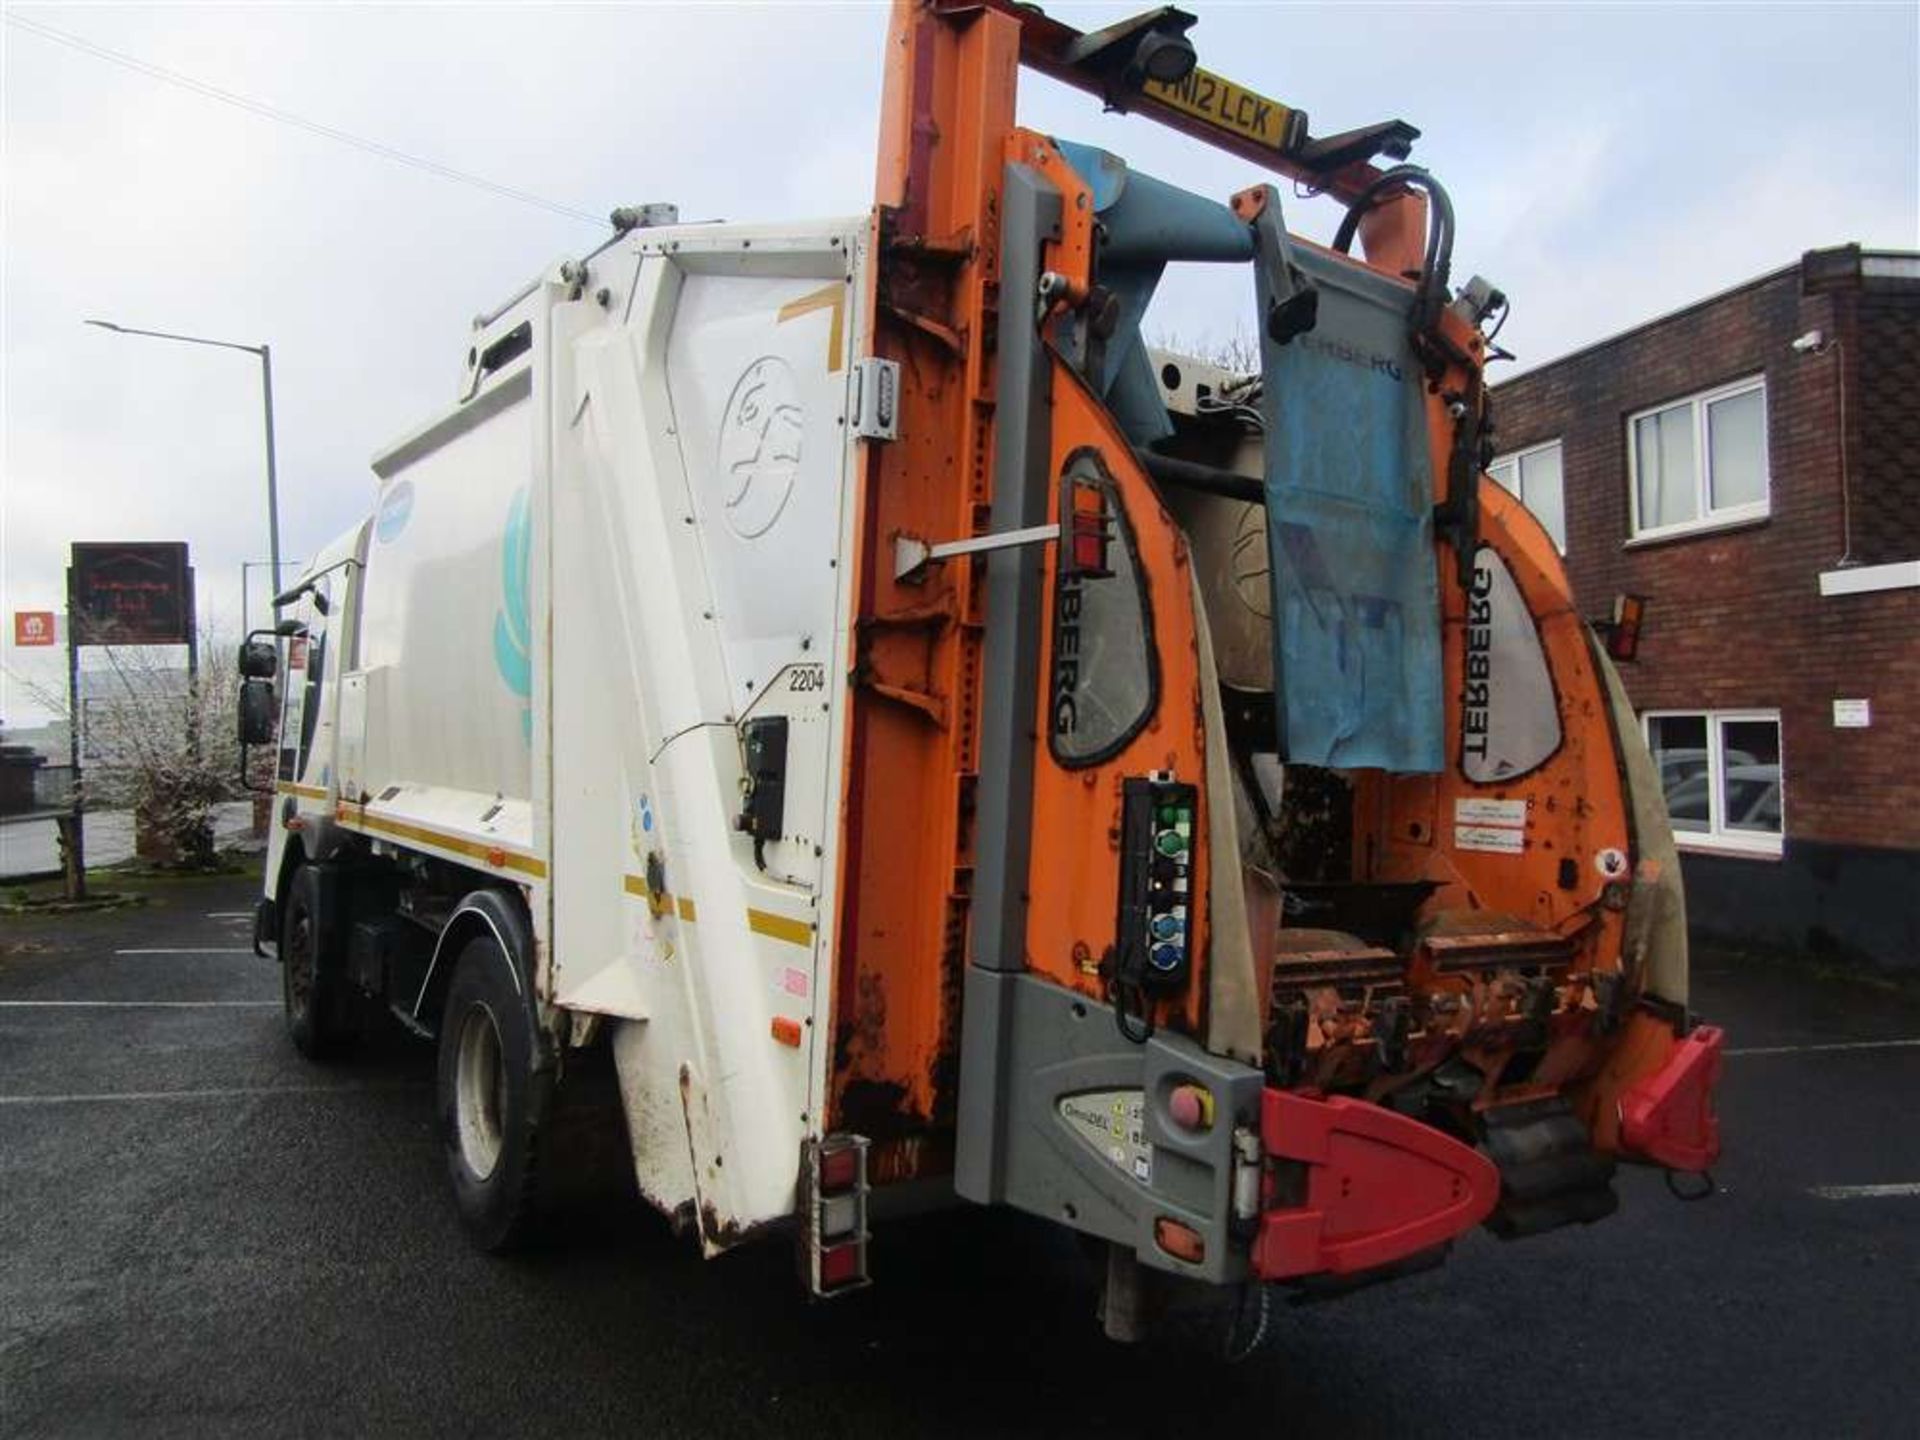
1226, 106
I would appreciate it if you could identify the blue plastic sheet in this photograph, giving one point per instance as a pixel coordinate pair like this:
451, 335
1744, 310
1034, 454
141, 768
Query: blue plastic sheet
1350, 528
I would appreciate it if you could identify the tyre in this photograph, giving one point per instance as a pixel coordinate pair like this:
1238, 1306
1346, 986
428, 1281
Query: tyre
312, 989
494, 1098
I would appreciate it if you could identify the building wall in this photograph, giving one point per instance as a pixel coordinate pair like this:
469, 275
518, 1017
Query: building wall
1735, 618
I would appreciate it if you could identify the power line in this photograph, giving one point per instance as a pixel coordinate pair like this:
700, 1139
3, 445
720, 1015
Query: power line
287, 117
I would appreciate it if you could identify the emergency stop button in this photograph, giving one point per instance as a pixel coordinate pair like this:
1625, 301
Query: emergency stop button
1191, 1107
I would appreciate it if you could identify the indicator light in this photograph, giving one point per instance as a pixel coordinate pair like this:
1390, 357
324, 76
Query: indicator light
1182, 1242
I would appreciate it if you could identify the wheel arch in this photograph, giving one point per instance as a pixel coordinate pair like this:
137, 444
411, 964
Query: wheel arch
493, 912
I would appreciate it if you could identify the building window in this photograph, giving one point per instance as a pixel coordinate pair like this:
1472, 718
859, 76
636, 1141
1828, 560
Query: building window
1721, 773
1534, 475
1699, 462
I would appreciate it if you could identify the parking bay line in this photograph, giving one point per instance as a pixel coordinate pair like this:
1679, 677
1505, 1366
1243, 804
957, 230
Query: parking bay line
188, 950
230, 1093
139, 1004
1831, 1046
1866, 1192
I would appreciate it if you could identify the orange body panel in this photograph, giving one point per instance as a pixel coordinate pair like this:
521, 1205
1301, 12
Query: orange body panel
912, 743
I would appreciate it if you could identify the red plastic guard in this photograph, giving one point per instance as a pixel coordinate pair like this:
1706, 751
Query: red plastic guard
1380, 1187
1667, 1117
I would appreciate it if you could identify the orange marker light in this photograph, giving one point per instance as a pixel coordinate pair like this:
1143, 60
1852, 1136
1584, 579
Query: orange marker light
1183, 1242
786, 1031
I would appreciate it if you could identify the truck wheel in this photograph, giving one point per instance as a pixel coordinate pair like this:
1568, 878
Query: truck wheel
493, 1102
310, 990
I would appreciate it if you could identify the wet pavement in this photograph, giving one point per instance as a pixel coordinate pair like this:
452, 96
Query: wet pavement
204, 1234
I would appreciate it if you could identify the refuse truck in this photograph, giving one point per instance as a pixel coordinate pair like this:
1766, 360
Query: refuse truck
928, 743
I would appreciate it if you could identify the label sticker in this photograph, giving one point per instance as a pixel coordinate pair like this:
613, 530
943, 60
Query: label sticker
793, 981
1490, 838
1113, 1122
1468, 811
1496, 827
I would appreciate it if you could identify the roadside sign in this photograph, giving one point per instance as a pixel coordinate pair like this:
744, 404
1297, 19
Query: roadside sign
130, 593
33, 627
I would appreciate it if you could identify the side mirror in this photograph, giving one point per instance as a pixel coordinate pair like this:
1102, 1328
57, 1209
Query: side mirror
259, 660
256, 711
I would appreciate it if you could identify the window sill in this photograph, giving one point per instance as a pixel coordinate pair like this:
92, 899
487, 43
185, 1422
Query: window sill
1695, 530
1760, 847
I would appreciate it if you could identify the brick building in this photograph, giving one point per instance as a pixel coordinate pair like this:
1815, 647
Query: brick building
1750, 465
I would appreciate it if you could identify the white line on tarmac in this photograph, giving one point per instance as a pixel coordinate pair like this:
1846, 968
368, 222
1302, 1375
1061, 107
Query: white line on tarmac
237, 1092
229, 915
182, 950
1866, 1192
138, 1004
1913, 1044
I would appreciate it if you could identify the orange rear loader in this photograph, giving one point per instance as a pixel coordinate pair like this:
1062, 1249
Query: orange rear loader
1251, 860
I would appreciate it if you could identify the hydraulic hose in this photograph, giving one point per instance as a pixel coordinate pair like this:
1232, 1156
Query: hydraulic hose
1439, 255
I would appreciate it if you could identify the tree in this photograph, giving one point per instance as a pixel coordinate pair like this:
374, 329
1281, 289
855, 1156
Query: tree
162, 741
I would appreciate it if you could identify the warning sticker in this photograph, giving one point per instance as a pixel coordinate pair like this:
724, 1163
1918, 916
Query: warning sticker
1489, 812
1113, 1122
1490, 838
1493, 826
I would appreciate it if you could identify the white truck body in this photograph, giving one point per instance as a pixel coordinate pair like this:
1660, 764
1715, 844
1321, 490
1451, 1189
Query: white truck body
578, 582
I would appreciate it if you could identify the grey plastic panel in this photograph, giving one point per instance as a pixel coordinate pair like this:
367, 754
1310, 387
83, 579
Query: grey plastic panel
1045, 1043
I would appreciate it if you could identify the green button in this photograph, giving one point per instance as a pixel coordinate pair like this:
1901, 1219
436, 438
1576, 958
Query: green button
1169, 843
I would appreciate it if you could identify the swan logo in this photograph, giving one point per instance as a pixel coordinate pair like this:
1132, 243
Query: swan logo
512, 634
759, 457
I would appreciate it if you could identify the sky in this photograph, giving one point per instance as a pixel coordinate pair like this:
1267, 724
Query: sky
1607, 163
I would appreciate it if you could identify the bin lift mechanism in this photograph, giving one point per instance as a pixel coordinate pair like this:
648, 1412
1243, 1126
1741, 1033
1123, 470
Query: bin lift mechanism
1146, 63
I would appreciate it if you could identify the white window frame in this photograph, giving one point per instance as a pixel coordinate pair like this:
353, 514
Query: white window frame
1517, 458
1706, 517
1717, 837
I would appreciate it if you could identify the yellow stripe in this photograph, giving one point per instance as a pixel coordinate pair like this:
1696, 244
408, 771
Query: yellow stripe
637, 885
830, 295
355, 817
305, 792
780, 927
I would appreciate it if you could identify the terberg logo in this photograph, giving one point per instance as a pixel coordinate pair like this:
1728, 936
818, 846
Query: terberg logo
1477, 698
1066, 656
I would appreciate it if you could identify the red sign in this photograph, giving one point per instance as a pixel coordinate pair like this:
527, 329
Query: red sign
33, 627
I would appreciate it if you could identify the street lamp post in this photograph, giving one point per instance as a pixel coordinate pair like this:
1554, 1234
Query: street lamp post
265, 353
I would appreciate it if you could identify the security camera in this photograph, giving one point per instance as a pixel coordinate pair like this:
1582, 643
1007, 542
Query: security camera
1808, 343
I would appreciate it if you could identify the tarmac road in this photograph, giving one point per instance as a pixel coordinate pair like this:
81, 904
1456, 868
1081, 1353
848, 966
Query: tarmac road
202, 1234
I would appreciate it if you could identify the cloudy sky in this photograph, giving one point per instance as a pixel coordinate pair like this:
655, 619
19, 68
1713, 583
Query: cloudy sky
1607, 161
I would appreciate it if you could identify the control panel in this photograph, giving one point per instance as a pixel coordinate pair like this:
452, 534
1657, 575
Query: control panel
1156, 882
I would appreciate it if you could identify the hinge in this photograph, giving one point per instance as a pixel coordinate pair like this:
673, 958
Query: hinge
876, 399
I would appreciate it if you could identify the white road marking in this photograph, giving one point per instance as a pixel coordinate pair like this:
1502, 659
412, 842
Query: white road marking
1913, 1044
229, 915
138, 1004
1866, 1192
181, 950
236, 1092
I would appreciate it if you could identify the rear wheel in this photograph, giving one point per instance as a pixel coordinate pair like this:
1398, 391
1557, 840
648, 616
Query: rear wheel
311, 987
493, 1099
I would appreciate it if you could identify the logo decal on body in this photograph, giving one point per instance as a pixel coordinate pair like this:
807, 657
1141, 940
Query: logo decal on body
396, 508
759, 457
512, 632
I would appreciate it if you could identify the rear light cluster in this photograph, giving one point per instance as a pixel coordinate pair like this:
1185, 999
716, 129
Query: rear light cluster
834, 1215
